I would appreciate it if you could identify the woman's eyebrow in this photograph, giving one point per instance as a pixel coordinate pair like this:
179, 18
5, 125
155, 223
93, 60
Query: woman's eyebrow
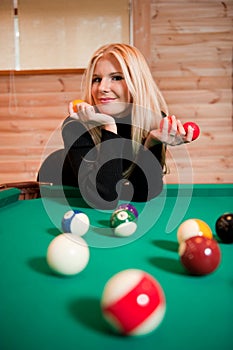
113, 73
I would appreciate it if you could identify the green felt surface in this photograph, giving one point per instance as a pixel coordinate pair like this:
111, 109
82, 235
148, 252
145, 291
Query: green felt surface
8, 196
40, 310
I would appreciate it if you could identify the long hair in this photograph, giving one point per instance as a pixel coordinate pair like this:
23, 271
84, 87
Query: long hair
147, 100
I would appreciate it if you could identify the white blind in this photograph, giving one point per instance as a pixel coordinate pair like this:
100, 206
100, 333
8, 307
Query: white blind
61, 34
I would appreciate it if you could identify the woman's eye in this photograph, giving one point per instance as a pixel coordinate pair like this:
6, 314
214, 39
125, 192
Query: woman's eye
117, 77
114, 78
96, 80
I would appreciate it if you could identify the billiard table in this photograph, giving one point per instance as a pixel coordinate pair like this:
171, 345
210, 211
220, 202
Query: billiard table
41, 310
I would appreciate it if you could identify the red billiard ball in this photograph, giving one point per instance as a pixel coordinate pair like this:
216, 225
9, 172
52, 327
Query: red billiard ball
200, 255
169, 123
133, 302
224, 227
196, 131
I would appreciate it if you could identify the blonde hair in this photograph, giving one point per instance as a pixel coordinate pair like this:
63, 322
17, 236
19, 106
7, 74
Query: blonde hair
147, 100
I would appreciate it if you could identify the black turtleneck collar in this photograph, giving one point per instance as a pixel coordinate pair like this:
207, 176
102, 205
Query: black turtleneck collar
124, 126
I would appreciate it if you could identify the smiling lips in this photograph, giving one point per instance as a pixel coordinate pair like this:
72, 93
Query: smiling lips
106, 100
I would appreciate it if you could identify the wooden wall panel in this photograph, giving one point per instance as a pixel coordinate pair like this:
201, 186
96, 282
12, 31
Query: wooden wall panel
32, 108
188, 45
191, 60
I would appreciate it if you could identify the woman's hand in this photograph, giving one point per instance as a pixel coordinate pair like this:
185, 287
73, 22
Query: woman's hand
173, 136
86, 114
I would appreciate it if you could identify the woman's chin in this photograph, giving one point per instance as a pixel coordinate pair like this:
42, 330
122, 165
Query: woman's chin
115, 109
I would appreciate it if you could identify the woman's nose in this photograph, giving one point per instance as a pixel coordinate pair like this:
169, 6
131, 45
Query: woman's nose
104, 85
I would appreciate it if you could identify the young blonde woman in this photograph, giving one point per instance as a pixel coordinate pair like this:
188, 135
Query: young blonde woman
114, 148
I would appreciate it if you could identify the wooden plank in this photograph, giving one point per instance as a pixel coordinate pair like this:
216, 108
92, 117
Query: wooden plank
19, 166
32, 113
191, 68
199, 96
16, 152
199, 178
194, 26
40, 139
23, 125
15, 177
192, 9
47, 72
221, 165
40, 83
208, 39
31, 100
194, 110
205, 170
141, 27
191, 52
185, 2
194, 83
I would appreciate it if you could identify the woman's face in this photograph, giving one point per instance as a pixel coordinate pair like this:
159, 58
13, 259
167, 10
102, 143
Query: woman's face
109, 90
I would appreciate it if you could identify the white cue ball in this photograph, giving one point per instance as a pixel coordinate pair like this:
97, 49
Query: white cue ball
68, 254
75, 221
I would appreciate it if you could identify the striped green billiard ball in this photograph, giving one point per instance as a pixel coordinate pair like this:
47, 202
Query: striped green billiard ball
123, 222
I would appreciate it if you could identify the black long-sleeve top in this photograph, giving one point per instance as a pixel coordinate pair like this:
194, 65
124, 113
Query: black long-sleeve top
98, 170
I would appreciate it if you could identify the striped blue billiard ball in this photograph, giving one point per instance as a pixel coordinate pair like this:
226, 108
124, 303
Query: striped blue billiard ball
75, 221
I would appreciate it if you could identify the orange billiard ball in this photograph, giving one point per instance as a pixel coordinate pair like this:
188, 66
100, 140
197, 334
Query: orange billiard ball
193, 227
75, 103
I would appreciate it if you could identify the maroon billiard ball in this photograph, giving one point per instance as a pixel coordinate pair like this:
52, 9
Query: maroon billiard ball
224, 227
200, 255
196, 129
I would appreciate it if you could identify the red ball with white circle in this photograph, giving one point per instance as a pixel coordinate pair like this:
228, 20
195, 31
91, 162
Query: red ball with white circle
200, 255
68, 254
133, 302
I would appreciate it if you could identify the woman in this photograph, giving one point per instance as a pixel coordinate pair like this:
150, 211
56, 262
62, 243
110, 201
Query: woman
113, 143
